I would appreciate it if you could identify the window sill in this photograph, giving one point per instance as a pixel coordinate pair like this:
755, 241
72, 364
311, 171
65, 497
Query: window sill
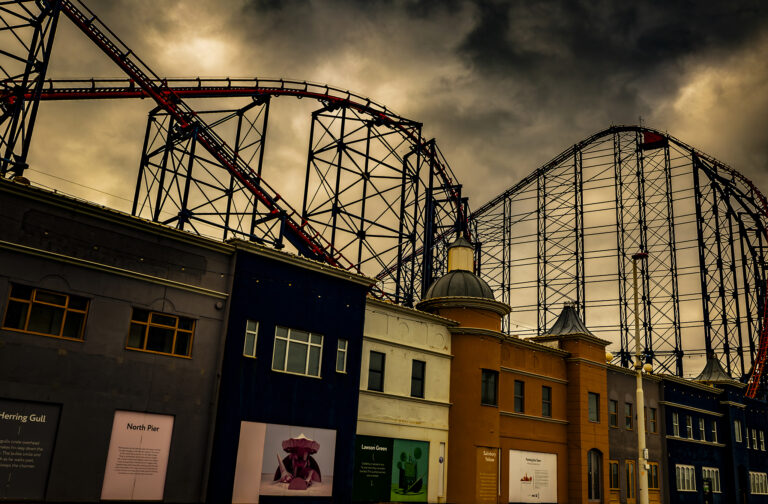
151, 352
297, 374
31, 333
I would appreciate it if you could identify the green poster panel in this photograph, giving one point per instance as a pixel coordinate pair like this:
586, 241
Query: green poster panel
410, 468
373, 469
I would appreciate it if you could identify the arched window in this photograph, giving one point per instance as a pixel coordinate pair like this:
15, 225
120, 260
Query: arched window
594, 469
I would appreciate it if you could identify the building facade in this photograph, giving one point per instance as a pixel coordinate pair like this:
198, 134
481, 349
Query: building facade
109, 350
623, 471
287, 409
404, 406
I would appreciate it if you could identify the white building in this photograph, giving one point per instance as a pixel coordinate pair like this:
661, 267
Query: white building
404, 396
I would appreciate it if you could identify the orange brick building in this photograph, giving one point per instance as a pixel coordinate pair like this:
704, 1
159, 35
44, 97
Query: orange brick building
528, 419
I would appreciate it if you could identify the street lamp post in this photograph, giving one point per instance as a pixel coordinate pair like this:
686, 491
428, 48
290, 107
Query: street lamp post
642, 451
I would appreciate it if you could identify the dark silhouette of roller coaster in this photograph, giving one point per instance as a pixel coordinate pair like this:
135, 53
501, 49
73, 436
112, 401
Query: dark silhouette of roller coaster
380, 199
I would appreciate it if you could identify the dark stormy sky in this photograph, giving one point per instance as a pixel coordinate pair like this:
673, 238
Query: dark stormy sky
503, 86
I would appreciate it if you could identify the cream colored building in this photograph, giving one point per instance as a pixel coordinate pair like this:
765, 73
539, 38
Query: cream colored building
390, 405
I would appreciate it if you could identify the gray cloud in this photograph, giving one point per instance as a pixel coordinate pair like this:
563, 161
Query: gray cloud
503, 86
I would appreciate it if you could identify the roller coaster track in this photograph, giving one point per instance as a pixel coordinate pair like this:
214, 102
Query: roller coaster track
170, 95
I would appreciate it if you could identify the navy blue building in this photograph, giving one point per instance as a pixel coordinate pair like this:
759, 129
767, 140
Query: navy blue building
715, 439
288, 395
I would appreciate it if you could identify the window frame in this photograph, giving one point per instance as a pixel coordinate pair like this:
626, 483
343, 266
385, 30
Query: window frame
613, 416
737, 434
675, 424
594, 475
289, 342
702, 429
423, 378
754, 439
546, 402
714, 431
149, 324
250, 332
714, 474
685, 474
488, 373
653, 476
762, 440
629, 416
519, 396
630, 474
381, 372
688, 427
611, 465
343, 352
653, 421
32, 301
758, 483
593, 396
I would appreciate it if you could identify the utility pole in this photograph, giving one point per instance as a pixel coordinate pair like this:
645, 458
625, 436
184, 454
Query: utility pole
642, 451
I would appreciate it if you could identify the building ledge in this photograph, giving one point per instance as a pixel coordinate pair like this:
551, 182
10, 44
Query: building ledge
414, 348
696, 441
387, 395
691, 408
533, 417
534, 375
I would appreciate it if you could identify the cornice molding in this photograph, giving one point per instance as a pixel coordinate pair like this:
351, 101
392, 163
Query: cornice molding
532, 417
413, 312
492, 305
691, 408
92, 265
534, 375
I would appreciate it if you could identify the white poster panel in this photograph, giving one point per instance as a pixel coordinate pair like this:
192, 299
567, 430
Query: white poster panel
283, 460
532, 477
250, 454
138, 456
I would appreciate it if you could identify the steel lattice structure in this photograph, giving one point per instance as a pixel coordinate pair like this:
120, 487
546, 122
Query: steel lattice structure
567, 232
380, 199
375, 190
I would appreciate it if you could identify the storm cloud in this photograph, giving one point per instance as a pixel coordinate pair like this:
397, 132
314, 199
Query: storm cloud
502, 86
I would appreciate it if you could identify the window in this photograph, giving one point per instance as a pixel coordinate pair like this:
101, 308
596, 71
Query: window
714, 431
675, 424
629, 471
418, 369
160, 333
594, 463
702, 430
519, 396
758, 483
297, 352
653, 475
688, 426
686, 478
546, 402
653, 421
754, 439
594, 406
613, 474
714, 475
762, 440
251, 334
48, 313
737, 430
376, 371
613, 413
489, 388
341, 355
628, 416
